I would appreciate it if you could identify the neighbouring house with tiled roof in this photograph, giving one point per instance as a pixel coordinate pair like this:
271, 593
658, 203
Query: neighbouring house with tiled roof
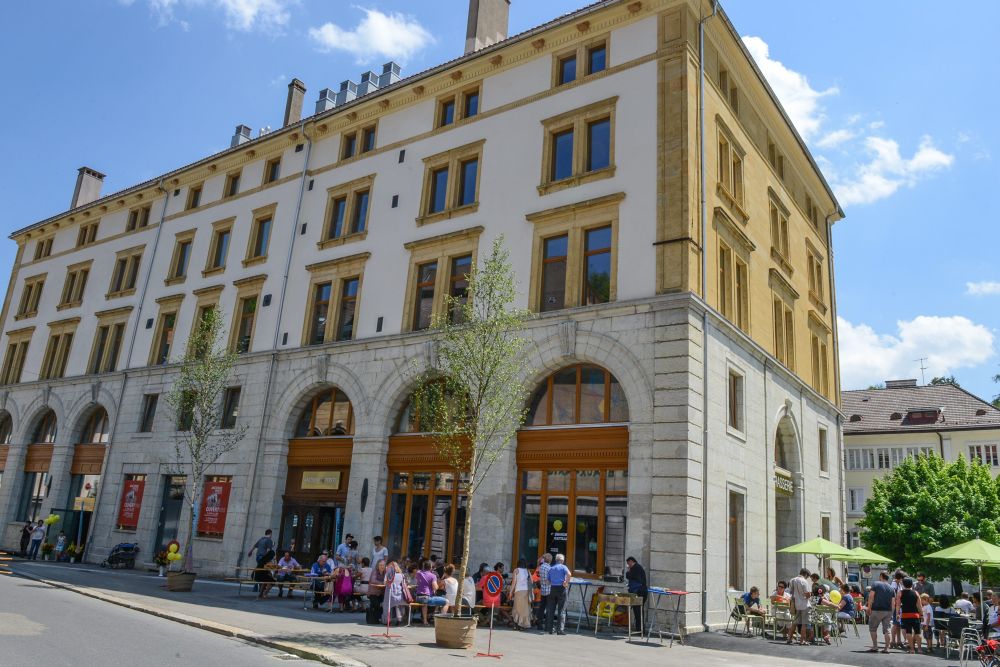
883, 426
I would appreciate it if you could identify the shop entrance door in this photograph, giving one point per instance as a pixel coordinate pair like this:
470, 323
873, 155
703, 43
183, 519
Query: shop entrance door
307, 531
171, 503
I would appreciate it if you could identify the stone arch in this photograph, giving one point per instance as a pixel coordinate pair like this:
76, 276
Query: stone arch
787, 440
34, 413
13, 410
4, 414
788, 514
83, 408
391, 396
299, 392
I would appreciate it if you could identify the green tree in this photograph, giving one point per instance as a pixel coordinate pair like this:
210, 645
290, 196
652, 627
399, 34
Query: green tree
196, 400
945, 379
474, 402
927, 504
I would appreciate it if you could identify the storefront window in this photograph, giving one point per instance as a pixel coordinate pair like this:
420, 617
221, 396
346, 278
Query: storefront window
327, 414
578, 395
531, 513
46, 431
425, 515
585, 551
96, 431
36, 488
6, 427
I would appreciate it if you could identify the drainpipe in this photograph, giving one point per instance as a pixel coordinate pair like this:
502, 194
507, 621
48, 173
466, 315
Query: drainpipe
836, 371
704, 316
128, 364
273, 361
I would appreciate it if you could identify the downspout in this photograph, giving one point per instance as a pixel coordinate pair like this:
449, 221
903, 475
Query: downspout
836, 374
273, 361
704, 315
128, 364
940, 443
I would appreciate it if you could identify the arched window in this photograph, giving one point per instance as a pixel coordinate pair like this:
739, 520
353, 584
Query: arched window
580, 394
6, 428
45, 432
409, 418
96, 430
328, 413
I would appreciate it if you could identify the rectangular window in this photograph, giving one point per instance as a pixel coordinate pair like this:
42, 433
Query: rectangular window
348, 303
737, 529
261, 237
439, 191
232, 185
598, 144
245, 324
126, 272
784, 334
579, 147
30, 296
138, 218
107, 345
56, 355
446, 113
815, 277
554, 260
181, 258
194, 197
74, 285
185, 415
347, 211
567, 69
33, 494
562, 155
457, 107
742, 296
368, 139
321, 306
779, 230
726, 284
451, 183
350, 142
86, 235
824, 452
856, 500
230, 408
43, 248
458, 290
597, 58
467, 188
220, 248
824, 526
735, 402
148, 412
165, 339
17, 351
424, 311
470, 103
731, 168
272, 170
359, 216
820, 365
338, 210
985, 454
597, 266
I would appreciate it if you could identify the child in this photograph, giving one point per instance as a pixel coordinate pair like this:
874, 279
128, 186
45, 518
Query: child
60, 546
928, 622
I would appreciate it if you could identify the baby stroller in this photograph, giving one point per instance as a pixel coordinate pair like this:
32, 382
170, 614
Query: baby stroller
122, 555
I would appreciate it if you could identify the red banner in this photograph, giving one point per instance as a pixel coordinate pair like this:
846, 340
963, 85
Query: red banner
131, 503
214, 505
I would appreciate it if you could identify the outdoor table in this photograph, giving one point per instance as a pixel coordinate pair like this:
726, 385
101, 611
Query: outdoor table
584, 586
658, 595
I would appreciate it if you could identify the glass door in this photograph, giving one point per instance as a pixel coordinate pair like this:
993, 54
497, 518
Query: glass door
171, 504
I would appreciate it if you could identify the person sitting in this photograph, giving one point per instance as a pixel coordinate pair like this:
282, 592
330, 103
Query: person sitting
427, 588
362, 577
832, 576
320, 573
821, 600
846, 609
993, 619
942, 612
964, 604
751, 605
780, 594
264, 575
450, 588
286, 572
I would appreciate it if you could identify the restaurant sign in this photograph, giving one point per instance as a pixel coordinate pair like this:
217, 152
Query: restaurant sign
324, 480
783, 482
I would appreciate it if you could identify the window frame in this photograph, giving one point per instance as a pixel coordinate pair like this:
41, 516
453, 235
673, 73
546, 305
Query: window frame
175, 277
168, 306
441, 249
104, 357
733, 285
731, 170
779, 224
227, 422
578, 120
247, 289
259, 217
130, 261
231, 185
87, 234
218, 228
18, 343
58, 349
823, 446
816, 276
194, 194
581, 52
335, 272
452, 160
349, 192
147, 415
138, 217
272, 171
43, 247
459, 99
736, 405
573, 220
31, 296
358, 133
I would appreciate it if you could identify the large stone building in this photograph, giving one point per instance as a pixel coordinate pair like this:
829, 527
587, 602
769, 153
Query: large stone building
883, 426
670, 230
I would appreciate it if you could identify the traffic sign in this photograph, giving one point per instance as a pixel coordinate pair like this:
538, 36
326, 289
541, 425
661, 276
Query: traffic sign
491, 590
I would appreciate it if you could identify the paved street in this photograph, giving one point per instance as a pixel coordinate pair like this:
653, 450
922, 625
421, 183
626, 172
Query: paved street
41, 625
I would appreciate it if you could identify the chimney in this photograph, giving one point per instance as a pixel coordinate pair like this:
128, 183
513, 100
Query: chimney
88, 186
241, 136
348, 91
369, 83
389, 76
327, 100
293, 104
900, 384
487, 23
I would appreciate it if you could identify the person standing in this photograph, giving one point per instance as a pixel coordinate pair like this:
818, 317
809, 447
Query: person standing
37, 536
397, 595
544, 587
262, 546
559, 576
637, 585
379, 552
881, 602
60, 546
26, 531
908, 604
801, 600
520, 589
922, 586
343, 553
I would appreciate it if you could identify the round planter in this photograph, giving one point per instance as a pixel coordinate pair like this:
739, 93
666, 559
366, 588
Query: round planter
180, 581
452, 632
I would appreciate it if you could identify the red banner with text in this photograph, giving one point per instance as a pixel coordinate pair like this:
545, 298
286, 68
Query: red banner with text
128, 512
214, 505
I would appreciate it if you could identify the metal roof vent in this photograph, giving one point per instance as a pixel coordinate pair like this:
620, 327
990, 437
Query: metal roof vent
390, 75
348, 91
369, 83
327, 100
241, 136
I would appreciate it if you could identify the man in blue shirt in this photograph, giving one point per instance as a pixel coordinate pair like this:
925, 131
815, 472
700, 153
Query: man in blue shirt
321, 572
559, 576
343, 552
751, 605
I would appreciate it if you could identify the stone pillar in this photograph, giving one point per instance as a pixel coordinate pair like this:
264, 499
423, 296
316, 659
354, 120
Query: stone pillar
368, 464
10, 494
493, 512
59, 476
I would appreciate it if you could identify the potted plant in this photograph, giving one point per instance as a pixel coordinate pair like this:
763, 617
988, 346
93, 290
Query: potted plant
71, 552
161, 561
196, 400
47, 549
474, 402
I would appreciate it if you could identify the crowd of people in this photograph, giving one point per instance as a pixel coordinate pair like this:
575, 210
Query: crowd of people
903, 609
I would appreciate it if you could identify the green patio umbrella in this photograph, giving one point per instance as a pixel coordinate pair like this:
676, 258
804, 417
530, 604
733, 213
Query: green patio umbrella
974, 552
820, 547
862, 555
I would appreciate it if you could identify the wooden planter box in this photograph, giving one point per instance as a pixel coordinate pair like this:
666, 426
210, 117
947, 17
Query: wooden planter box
180, 581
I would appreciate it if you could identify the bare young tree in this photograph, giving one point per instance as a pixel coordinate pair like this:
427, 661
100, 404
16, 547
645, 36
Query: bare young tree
196, 400
473, 404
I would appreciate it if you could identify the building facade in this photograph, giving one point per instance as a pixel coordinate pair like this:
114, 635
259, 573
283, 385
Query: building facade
683, 358
884, 426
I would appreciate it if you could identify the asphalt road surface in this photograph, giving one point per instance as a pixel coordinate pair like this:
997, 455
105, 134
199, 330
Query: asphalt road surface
41, 625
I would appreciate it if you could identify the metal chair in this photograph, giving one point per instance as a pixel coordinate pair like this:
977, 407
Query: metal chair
780, 613
953, 639
969, 642
827, 616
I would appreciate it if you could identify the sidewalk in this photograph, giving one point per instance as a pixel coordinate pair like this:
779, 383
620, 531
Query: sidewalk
343, 639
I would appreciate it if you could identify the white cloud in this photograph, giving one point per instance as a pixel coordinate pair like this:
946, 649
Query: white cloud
887, 171
394, 36
242, 15
948, 343
983, 288
800, 100
835, 138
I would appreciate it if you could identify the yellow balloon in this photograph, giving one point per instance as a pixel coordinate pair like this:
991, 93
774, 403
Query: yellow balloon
172, 548
835, 597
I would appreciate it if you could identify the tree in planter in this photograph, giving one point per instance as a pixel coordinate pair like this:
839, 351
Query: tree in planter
474, 402
196, 400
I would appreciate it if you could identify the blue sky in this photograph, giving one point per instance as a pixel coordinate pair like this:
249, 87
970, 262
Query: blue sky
897, 102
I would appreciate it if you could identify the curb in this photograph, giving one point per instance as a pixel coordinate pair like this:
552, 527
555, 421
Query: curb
301, 650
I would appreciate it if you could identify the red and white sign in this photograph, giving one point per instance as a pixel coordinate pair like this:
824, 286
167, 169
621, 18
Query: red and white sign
131, 503
492, 586
214, 505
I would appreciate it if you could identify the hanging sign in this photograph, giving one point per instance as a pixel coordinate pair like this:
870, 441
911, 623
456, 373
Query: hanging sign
214, 505
128, 511
491, 590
